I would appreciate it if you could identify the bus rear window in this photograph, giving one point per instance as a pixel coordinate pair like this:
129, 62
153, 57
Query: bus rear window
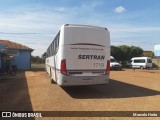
85, 35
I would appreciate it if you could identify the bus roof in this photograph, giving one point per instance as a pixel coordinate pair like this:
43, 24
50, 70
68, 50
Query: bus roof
78, 25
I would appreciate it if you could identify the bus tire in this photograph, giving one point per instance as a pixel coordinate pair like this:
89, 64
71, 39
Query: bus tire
51, 80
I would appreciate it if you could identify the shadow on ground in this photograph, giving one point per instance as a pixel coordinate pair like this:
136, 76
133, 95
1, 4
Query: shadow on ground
115, 89
14, 93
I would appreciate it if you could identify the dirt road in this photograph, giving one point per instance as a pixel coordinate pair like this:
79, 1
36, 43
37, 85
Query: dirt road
127, 90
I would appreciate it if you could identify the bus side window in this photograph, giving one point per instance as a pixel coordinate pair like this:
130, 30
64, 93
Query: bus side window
50, 51
51, 48
47, 53
57, 43
58, 40
54, 47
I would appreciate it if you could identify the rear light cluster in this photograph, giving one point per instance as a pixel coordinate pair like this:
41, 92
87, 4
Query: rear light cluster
63, 67
108, 67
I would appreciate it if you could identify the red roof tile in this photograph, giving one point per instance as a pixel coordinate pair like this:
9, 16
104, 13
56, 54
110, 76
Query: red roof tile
14, 45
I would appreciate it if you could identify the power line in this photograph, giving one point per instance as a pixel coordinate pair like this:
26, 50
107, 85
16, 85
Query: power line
132, 42
36, 33
23, 33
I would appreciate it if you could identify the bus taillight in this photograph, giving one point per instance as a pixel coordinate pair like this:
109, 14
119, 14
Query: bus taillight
108, 67
63, 67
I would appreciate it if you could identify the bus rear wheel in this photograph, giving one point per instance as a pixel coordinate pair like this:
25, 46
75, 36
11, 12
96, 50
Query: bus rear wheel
51, 80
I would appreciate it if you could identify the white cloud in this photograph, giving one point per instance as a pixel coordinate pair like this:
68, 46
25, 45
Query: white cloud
120, 9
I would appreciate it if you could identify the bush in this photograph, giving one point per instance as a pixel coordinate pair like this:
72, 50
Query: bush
154, 65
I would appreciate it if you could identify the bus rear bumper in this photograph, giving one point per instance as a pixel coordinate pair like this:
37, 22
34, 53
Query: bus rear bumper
82, 80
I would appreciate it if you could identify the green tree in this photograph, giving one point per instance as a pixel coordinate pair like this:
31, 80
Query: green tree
136, 51
37, 59
117, 53
126, 52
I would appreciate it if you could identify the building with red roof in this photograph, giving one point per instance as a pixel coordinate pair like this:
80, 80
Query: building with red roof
15, 54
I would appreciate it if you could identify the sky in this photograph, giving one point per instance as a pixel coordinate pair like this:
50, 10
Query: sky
35, 23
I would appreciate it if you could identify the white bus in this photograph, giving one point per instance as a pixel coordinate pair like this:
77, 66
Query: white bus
141, 62
79, 55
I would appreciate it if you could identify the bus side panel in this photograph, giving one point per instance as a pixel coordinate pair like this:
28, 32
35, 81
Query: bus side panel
50, 67
58, 58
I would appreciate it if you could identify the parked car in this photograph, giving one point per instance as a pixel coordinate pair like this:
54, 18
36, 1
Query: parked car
114, 65
141, 62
